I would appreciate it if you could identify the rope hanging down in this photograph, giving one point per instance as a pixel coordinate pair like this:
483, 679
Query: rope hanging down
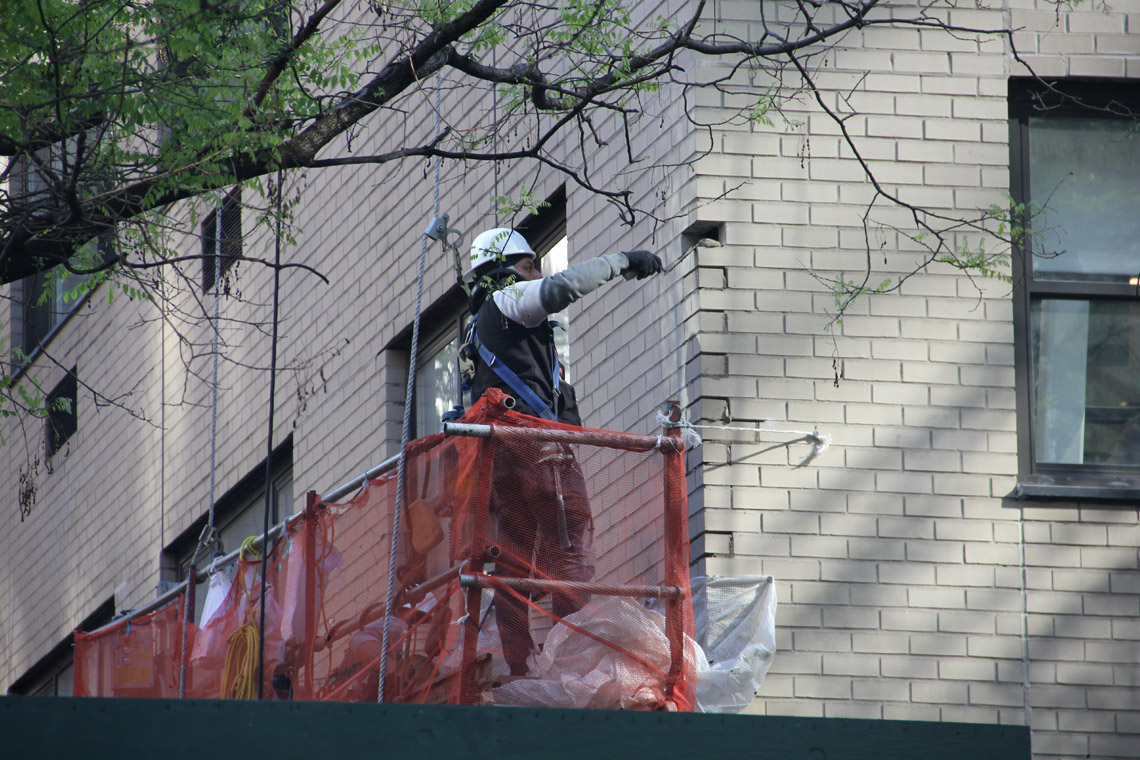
819, 441
209, 535
265, 548
406, 432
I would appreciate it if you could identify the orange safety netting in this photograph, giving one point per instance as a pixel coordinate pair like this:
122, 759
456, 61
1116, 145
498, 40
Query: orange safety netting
541, 565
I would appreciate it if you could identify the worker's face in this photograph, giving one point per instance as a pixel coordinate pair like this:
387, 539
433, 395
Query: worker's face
528, 269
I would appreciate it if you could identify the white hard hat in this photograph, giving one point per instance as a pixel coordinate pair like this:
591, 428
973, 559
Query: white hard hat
495, 245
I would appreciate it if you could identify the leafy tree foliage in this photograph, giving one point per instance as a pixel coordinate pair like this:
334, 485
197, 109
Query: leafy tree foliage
114, 109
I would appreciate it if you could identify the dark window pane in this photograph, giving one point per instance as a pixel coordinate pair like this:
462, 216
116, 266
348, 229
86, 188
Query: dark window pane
230, 247
37, 304
437, 382
61, 420
1083, 178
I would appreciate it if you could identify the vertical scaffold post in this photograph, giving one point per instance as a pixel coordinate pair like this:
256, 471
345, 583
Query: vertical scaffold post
676, 559
186, 612
469, 691
304, 690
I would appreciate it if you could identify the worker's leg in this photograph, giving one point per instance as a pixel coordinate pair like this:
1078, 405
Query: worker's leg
575, 562
516, 533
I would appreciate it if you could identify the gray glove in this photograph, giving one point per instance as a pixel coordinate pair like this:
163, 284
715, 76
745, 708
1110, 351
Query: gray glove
641, 264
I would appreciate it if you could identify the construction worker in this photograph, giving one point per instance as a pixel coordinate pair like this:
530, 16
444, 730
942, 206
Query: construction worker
545, 529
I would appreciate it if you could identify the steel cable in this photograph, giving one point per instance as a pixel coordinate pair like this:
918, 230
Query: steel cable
405, 435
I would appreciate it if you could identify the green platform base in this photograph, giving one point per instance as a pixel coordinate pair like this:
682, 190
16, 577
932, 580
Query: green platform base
98, 729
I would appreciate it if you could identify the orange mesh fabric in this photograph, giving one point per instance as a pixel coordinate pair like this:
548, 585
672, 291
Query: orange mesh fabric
135, 658
223, 658
542, 565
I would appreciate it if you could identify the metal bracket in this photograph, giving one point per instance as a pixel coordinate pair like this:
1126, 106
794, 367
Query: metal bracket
437, 229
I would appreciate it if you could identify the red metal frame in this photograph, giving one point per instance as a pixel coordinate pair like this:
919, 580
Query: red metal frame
676, 558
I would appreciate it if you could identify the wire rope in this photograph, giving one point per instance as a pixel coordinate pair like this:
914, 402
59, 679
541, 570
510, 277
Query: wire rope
405, 435
207, 535
269, 442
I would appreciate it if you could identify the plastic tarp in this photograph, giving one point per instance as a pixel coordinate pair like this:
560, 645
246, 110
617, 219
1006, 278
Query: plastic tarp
735, 621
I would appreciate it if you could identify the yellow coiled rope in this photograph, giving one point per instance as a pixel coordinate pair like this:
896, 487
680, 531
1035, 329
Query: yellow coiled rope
247, 547
239, 676
240, 673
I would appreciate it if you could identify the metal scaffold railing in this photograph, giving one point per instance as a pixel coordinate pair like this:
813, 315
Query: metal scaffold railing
531, 555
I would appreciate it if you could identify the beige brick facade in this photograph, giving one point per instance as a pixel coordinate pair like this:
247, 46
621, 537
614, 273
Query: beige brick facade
911, 586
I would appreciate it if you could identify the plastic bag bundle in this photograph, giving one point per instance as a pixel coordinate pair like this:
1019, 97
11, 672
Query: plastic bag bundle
735, 621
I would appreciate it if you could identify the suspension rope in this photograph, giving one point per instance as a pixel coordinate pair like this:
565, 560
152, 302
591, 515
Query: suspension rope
162, 412
269, 441
216, 340
207, 536
406, 432
495, 134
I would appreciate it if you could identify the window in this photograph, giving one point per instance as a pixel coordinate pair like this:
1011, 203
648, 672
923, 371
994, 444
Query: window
62, 421
239, 514
437, 385
54, 674
36, 312
1076, 168
437, 375
553, 261
221, 242
546, 233
59, 682
43, 302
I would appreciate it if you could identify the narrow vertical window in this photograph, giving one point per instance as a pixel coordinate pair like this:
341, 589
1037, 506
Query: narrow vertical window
221, 243
62, 421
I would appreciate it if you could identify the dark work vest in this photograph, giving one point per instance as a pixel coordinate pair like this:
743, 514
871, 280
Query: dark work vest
527, 351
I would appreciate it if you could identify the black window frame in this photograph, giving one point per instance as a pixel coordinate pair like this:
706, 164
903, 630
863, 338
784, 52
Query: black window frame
245, 499
231, 242
544, 228
33, 324
1113, 485
56, 667
61, 422
446, 328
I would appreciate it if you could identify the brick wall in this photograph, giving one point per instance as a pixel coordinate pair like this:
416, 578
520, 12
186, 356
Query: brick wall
910, 586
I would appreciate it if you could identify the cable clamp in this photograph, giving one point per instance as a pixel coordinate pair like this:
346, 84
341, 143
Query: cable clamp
689, 434
437, 229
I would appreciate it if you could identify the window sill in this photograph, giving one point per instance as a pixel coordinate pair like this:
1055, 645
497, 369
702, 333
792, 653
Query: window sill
1122, 493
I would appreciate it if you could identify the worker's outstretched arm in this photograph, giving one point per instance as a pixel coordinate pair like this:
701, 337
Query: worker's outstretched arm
529, 303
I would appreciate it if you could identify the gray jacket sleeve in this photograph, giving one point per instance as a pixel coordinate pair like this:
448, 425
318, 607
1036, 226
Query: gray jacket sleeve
530, 302
560, 290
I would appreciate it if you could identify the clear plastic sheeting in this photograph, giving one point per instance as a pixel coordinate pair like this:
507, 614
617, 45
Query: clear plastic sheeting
612, 654
735, 623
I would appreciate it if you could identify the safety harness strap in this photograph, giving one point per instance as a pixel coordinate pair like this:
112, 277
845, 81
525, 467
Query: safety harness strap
508, 376
513, 381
